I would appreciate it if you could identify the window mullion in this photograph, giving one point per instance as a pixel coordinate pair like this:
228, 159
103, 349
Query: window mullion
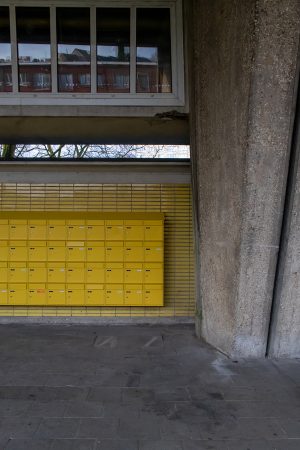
133, 50
14, 49
94, 68
53, 48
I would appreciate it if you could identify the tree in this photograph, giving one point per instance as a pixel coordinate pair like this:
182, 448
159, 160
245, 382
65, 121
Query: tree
79, 151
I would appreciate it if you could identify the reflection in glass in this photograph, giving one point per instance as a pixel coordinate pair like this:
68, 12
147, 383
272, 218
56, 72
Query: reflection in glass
5, 51
113, 49
34, 54
73, 48
153, 40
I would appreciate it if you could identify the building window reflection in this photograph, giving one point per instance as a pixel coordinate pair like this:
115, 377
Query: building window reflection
113, 49
153, 58
5, 51
34, 54
73, 49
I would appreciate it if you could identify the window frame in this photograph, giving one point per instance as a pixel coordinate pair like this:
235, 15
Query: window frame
94, 98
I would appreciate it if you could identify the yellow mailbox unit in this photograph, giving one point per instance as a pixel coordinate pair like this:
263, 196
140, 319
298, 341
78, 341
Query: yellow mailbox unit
81, 259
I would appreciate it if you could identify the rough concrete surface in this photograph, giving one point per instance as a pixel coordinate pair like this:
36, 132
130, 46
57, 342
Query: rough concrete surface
243, 72
140, 388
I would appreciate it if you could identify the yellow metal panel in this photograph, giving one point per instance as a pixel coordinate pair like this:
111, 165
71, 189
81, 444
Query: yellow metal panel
17, 294
56, 251
57, 230
18, 251
153, 273
114, 273
76, 232
133, 273
76, 251
133, 232
95, 273
18, 229
114, 251
114, 230
56, 294
154, 233
56, 272
37, 272
153, 295
95, 232
3, 294
133, 251
114, 294
3, 272
4, 229
4, 251
17, 273
37, 251
37, 294
154, 252
133, 294
95, 294
75, 294
95, 251
37, 230
75, 272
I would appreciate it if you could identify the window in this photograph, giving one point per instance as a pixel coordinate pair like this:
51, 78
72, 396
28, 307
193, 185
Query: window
5, 51
92, 53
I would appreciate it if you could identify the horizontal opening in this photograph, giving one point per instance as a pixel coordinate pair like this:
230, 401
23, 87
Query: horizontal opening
74, 152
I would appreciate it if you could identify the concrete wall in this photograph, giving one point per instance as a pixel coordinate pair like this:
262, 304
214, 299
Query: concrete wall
243, 66
285, 323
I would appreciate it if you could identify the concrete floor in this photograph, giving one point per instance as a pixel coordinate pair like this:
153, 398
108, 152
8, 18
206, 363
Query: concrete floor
140, 388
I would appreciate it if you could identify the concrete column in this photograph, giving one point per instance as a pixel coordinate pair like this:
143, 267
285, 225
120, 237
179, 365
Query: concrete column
285, 321
243, 70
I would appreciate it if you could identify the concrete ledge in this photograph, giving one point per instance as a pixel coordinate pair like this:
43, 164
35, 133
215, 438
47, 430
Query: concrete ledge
21, 320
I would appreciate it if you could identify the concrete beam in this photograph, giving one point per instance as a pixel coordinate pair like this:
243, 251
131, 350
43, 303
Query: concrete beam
243, 77
112, 172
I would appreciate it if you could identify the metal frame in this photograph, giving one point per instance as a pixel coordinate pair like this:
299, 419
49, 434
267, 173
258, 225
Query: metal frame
176, 98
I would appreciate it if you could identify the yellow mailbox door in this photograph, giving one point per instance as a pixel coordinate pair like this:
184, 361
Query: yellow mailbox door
153, 295
57, 230
56, 251
153, 252
95, 251
4, 229
18, 230
153, 230
4, 251
3, 272
56, 294
3, 294
153, 273
17, 294
56, 272
95, 273
95, 295
133, 295
37, 273
133, 273
37, 294
76, 231
75, 294
114, 273
95, 230
18, 251
114, 230
37, 251
133, 252
114, 251
17, 273
75, 273
133, 230
75, 251
114, 294
37, 230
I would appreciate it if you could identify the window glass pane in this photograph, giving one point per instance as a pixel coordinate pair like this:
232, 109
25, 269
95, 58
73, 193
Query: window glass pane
34, 53
113, 49
5, 51
153, 36
74, 51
